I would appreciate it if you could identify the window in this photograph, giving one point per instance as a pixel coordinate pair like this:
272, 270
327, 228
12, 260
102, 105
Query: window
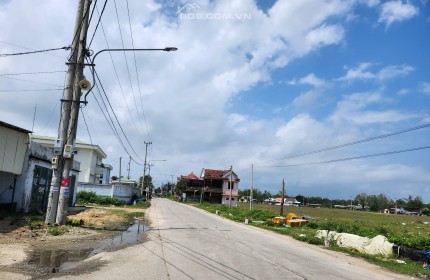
232, 199
227, 198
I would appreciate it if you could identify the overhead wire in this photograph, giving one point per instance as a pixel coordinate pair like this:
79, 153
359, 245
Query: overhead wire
128, 72
119, 124
24, 90
33, 52
137, 74
15, 45
86, 125
350, 158
117, 77
32, 73
108, 117
28, 81
98, 22
357, 142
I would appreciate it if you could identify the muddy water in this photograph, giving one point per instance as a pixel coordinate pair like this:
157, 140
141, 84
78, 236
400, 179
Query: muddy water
55, 259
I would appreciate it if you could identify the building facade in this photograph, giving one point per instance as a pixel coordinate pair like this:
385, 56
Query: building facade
89, 156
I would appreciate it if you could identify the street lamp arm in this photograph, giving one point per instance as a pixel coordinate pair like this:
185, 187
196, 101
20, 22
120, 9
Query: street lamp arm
167, 49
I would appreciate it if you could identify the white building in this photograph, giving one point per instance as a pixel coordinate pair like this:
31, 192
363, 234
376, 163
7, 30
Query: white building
92, 169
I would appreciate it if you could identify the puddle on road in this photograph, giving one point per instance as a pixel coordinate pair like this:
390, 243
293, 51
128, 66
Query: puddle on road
60, 257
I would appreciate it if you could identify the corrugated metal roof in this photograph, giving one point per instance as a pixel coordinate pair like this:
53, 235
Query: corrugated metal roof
8, 125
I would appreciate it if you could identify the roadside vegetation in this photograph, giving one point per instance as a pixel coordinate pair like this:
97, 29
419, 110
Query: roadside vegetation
406, 230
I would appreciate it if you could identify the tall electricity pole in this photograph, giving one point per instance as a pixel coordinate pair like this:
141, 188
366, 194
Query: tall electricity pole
283, 196
252, 186
66, 102
68, 153
231, 185
144, 169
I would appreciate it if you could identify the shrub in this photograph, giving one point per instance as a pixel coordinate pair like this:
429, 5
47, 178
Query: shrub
86, 197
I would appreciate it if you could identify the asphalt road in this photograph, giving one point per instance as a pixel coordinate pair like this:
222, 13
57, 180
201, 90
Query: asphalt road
188, 243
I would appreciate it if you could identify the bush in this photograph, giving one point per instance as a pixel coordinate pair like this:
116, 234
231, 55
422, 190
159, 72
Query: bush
83, 197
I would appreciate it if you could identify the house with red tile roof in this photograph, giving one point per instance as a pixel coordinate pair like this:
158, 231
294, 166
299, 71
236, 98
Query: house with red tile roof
215, 186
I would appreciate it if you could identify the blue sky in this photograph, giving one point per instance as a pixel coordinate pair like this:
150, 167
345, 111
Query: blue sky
252, 83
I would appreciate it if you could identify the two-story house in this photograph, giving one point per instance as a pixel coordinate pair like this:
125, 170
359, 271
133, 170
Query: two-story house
216, 186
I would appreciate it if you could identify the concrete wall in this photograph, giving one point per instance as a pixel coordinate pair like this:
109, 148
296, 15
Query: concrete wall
122, 192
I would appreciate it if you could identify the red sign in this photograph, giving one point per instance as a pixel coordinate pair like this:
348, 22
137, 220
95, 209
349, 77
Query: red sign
65, 182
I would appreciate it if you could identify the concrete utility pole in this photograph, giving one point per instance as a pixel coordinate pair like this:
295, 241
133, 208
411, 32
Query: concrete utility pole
231, 185
66, 102
68, 153
252, 186
283, 195
144, 169
119, 177
128, 170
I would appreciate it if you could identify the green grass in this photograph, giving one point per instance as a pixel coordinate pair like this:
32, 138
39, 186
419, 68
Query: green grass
406, 230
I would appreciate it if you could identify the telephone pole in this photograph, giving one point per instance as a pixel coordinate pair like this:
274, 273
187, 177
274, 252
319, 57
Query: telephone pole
144, 169
58, 161
231, 185
68, 153
283, 195
128, 170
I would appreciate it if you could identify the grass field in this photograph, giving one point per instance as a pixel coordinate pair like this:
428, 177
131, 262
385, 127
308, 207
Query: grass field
401, 224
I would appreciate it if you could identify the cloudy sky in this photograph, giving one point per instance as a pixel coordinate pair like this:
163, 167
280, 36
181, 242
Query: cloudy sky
253, 82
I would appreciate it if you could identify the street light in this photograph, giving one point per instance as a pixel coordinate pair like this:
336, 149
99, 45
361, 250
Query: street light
167, 49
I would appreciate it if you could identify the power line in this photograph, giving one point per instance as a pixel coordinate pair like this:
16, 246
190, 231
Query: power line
137, 74
110, 105
98, 22
128, 72
32, 73
33, 52
357, 142
28, 81
119, 82
23, 90
352, 158
88, 130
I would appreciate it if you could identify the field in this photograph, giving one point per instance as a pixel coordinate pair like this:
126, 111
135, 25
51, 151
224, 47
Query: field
396, 224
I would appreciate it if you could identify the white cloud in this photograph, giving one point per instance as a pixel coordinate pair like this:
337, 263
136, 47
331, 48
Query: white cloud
425, 88
362, 72
393, 11
353, 109
391, 72
306, 99
313, 80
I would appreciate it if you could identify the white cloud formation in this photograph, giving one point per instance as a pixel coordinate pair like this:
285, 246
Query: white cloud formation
393, 11
353, 109
425, 88
362, 72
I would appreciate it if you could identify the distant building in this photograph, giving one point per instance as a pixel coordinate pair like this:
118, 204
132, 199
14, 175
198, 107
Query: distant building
215, 186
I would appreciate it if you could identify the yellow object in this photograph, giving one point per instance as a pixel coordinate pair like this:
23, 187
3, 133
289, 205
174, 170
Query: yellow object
278, 220
294, 221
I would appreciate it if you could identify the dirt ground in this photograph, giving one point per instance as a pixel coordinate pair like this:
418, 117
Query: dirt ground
27, 247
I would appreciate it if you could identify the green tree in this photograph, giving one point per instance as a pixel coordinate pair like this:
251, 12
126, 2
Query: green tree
362, 198
181, 186
414, 203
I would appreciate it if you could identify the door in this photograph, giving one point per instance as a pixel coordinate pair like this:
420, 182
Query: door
40, 191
